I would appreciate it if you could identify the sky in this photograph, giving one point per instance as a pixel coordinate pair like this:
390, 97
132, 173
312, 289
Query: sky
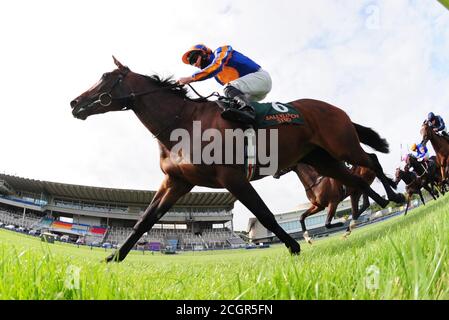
385, 63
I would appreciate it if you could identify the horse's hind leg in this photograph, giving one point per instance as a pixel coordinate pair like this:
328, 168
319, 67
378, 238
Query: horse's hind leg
326, 165
332, 208
351, 151
237, 184
365, 205
312, 210
386, 182
356, 212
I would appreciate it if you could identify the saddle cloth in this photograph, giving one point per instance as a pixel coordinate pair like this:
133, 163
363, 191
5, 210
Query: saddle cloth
270, 114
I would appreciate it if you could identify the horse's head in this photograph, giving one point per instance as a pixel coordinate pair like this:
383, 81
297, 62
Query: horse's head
426, 132
104, 96
410, 160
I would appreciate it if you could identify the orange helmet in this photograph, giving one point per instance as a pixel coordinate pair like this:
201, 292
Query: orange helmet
414, 147
199, 48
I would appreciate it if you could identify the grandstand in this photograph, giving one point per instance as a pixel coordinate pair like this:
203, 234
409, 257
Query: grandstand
199, 220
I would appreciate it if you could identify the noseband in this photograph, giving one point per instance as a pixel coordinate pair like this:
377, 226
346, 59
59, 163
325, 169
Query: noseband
105, 98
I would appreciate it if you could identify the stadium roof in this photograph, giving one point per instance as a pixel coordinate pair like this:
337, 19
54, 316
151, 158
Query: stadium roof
71, 191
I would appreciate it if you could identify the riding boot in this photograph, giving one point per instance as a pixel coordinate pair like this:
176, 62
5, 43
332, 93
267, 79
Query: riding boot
244, 113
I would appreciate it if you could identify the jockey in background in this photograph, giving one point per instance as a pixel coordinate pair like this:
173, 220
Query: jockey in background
437, 124
244, 80
421, 154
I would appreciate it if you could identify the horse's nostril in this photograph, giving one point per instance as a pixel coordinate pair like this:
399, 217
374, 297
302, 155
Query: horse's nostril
73, 103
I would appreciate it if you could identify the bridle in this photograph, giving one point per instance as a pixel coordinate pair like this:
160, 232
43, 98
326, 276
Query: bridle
105, 99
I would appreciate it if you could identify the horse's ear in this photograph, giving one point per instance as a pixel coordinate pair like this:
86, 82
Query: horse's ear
117, 63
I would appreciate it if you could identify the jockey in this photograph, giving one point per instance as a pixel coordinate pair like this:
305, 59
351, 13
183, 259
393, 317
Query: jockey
422, 153
437, 123
244, 80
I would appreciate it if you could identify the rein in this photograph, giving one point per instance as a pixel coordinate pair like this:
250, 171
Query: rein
132, 95
216, 94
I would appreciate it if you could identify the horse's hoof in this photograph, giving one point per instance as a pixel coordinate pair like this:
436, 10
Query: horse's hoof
384, 203
295, 250
352, 226
400, 199
346, 235
307, 237
112, 258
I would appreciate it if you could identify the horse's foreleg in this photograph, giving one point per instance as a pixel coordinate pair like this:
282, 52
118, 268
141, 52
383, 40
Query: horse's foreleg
430, 190
167, 195
409, 197
237, 184
312, 210
421, 196
365, 204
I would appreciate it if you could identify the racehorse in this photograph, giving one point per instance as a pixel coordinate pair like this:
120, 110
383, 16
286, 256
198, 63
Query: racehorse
429, 173
327, 138
413, 185
325, 192
441, 147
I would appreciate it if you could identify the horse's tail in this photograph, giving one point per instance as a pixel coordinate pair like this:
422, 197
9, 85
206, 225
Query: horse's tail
371, 138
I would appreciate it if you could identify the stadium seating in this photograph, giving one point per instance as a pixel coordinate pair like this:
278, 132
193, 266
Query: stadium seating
186, 240
17, 219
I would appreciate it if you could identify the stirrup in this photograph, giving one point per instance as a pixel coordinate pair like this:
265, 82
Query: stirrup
238, 115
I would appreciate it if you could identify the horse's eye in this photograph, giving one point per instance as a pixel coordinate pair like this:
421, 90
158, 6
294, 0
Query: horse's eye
104, 75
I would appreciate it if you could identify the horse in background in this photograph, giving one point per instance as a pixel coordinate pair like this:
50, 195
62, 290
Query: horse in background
441, 146
324, 192
429, 172
163, 106
413, 185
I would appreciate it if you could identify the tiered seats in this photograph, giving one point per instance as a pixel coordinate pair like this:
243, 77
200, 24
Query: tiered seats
16, 219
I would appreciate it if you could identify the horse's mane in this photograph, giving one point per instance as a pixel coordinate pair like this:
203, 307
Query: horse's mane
167, 82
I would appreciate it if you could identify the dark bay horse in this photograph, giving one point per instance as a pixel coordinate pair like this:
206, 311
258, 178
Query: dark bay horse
413, 185
429, 172
441, 147
325, 192
327, 138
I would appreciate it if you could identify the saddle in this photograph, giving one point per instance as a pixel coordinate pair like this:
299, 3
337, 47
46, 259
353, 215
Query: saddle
267, 114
